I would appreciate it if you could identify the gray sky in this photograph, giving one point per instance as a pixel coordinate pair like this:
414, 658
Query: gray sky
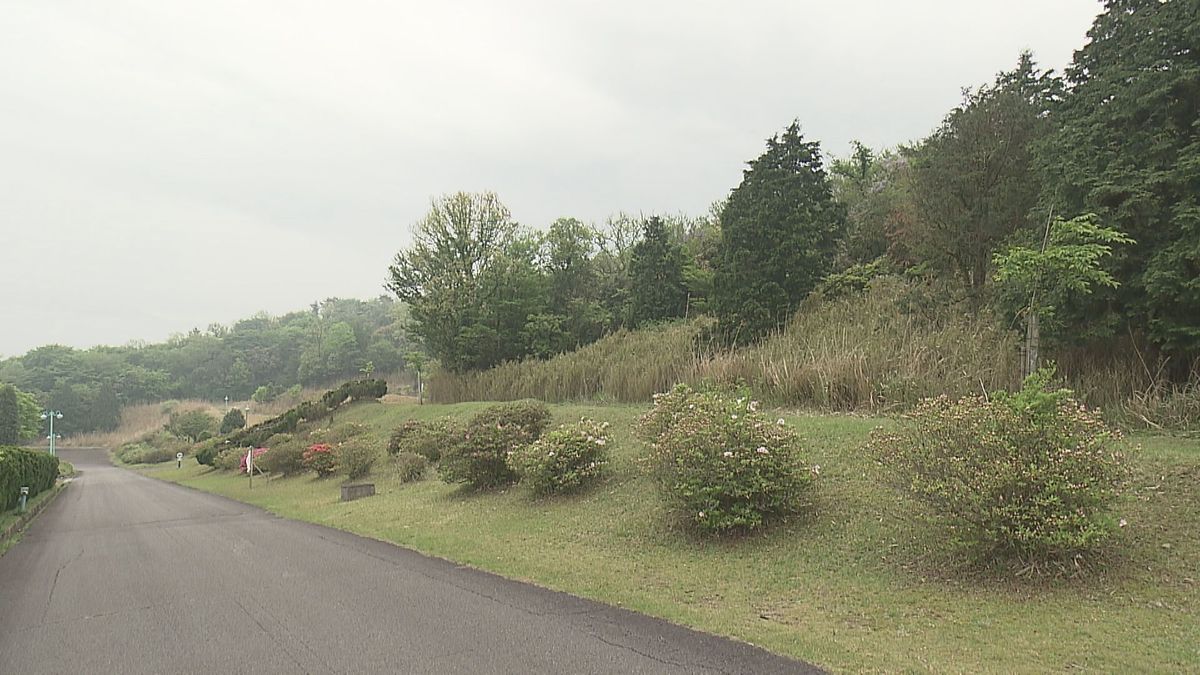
164, 165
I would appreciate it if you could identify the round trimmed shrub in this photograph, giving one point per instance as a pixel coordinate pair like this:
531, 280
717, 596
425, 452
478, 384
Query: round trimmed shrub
320, 457
564, 459
722, 463
229, 459
284, 455
356, 457
1030, 476
423, 437
480, 458
411, 466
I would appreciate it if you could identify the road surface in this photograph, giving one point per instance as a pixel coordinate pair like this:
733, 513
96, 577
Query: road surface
126, 574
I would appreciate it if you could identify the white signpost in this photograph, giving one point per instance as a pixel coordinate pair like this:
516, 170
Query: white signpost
179, 460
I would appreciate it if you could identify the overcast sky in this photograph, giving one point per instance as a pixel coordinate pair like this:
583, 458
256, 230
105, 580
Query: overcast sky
165, 165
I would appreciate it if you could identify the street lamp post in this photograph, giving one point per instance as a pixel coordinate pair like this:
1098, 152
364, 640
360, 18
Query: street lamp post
51, 415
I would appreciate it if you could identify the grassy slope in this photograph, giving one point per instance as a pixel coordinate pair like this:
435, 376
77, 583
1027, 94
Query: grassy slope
857, 585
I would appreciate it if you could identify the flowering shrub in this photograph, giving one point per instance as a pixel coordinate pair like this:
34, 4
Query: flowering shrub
423, 437
355, 457
411, 466
320, 458
480, 458
284, 455
563, 459
258, 452
230, 459
669, 407
338, 434
723, 463
1029, 475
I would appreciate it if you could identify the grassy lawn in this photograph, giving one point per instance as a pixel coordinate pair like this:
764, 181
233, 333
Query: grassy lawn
856, 584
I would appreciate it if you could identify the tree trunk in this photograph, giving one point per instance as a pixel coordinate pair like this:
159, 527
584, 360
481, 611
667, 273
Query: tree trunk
1032, 343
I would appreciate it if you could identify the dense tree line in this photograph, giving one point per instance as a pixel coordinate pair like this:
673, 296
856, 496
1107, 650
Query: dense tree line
332, 340
1009, 176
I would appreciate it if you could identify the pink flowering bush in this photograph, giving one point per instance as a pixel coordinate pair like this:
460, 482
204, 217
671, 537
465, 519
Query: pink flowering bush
722, 462
564, 459
258, 452
1030, 475
320, 458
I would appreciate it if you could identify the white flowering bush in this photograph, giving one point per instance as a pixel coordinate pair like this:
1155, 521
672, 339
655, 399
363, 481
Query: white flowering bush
564, 459
1031, 475
724, 464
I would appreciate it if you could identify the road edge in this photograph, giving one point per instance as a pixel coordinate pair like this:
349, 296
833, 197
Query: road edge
12, 534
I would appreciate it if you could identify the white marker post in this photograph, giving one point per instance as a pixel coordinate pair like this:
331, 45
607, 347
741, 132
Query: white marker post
250, 466
179, 460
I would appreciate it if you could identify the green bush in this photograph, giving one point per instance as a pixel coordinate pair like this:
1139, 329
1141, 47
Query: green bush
228, 459
208, 454
1029, 476
233, 420
669, 408
284, 455
411, 466
480, 458
192, 424
142, 453
423, 437
19, 468
564, 459
339, 434
356, 457
722, 463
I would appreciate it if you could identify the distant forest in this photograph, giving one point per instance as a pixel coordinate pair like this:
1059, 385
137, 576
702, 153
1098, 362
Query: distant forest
333, 340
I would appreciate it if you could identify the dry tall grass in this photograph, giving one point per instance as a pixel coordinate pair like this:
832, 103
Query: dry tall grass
137, 421
861, 353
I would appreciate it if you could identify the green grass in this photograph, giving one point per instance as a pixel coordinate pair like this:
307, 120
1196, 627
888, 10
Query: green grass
7, 518
855, 584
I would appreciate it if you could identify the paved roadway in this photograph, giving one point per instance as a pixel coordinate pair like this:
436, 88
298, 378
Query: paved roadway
126, 574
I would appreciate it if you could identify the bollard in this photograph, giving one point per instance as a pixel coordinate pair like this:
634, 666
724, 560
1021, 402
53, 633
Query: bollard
24, 496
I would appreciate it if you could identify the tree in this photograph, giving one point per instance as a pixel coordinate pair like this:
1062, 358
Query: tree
417, 363
1068, 262
874, 189
10, 416
657, 291
1127, 147
973, 181
193, 425
455, 246
234, 419
31, 421
779, 232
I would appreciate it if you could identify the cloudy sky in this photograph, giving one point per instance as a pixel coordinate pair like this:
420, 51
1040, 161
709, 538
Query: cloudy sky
165, 165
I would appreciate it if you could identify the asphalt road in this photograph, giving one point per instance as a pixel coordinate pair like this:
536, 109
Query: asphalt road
126, 574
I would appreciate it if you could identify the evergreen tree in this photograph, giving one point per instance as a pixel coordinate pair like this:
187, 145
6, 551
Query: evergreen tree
1127, 147
10, 416
779, 233
973, 180
656, 276
234, 419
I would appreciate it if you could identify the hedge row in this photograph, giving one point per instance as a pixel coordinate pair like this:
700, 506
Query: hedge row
24, 468
354, 390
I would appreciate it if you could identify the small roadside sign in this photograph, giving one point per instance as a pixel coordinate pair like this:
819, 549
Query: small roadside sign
179, 460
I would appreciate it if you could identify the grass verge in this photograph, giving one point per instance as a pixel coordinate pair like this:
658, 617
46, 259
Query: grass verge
11, 519
856, 584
